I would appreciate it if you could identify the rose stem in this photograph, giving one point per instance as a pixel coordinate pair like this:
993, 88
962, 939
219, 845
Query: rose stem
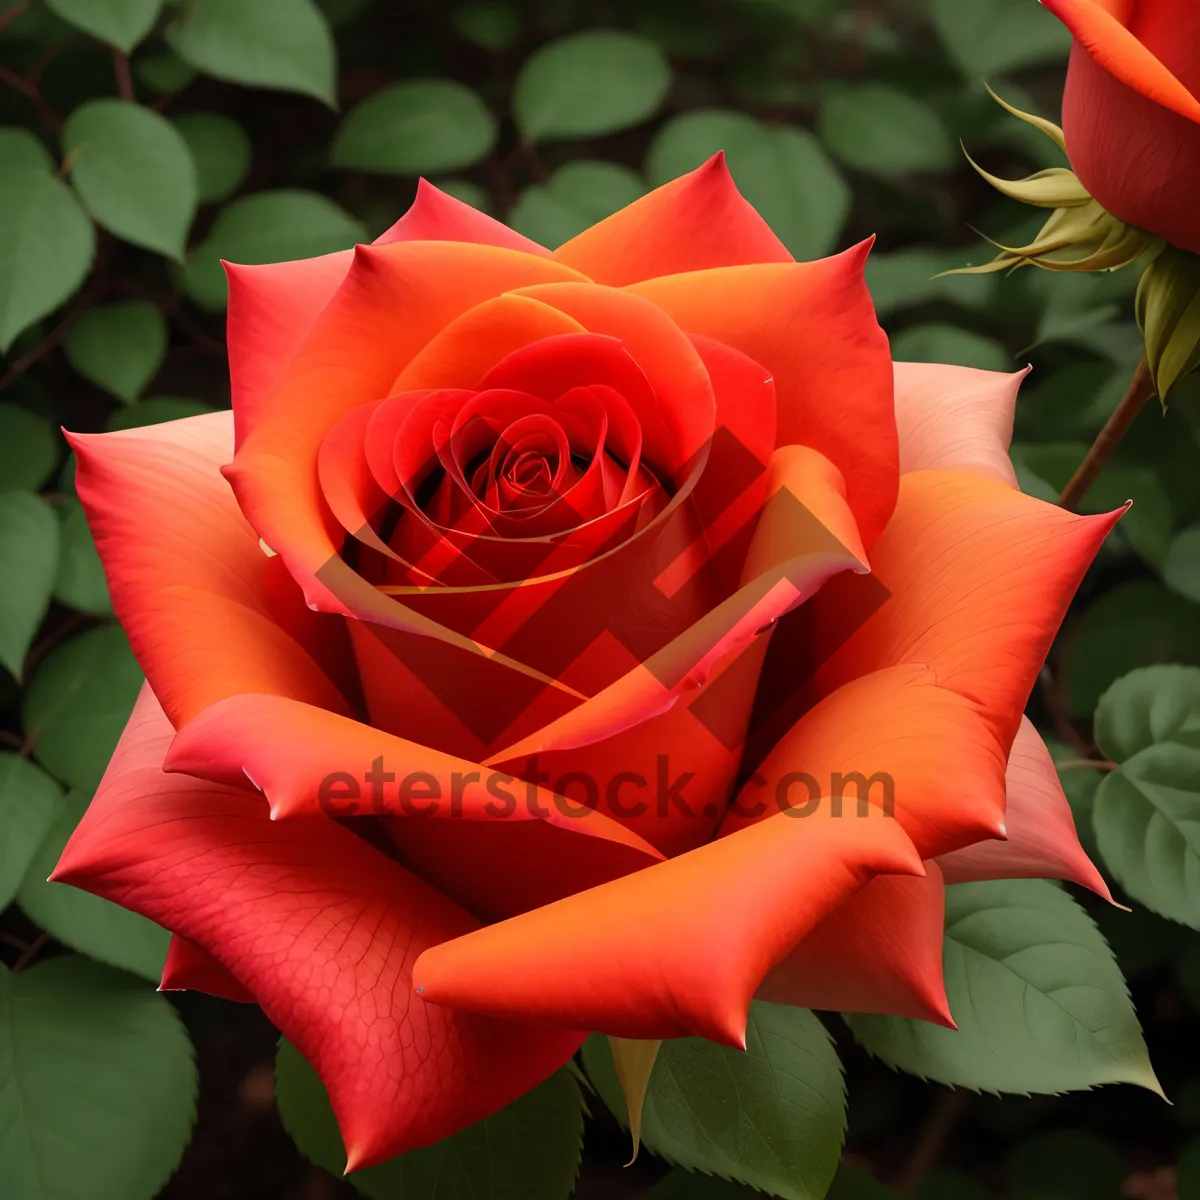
1141, 388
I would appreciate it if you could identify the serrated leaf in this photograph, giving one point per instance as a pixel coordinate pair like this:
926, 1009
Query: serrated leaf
1147, 821
772, 1116
221, 150
529, 1149
1039, 1000
28, 448
120, 23
88, 923
588, 84
46, 239
97, 1084
782, 171
1147, 706
263, 228
418, 126
119, 347
80, 582
29, 802
575, 197
283, 44
134, 173
28, 563
78, 702
883, 131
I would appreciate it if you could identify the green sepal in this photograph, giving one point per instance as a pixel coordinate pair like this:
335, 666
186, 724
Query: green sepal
1079, 235
1168, 313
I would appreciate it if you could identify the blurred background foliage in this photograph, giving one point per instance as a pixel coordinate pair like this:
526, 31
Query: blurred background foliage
144, 141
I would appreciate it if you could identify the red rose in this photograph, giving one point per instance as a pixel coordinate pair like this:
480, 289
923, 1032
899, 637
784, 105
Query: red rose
486, 683
1131, 110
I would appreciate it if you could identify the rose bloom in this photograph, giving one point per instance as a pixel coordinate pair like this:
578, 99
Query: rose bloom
499, 639
1131, 110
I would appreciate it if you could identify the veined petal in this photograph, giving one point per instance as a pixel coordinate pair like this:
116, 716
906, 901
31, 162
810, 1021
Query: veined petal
322, 929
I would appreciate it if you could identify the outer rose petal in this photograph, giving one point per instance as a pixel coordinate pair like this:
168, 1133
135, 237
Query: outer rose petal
309, 763
812, 325
919, 751
1100, 34
956, 417
273, 307
1042, 842
696, 221
190, 969
675, 950
880, 952
188, 578
323, 931
980, 577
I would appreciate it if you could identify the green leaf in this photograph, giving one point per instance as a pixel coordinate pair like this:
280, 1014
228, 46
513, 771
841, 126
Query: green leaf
78, 702
468, 192
575, 197
1181, 566
1040, 1002
163, 73
783, 172
1066, 1164
283, 44
912, 276
1132, 625
88, 923
119, 347
488, 24
121, 23
29, 802
134, 173
80, 582
991, 37
681, 1184
221, 149
1148, 706
772, 1116
28, 562
154, 410
97, 1084
529, 1149
939, 343
264, 228
46, 239
28, 448
588, 84
419, 126
882, 131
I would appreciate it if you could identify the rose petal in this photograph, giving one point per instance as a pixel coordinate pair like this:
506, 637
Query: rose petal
956, 417
188, 579
322, 929
697, 221
880, 952
678, 949
1042, 842
190, 969
813, 327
